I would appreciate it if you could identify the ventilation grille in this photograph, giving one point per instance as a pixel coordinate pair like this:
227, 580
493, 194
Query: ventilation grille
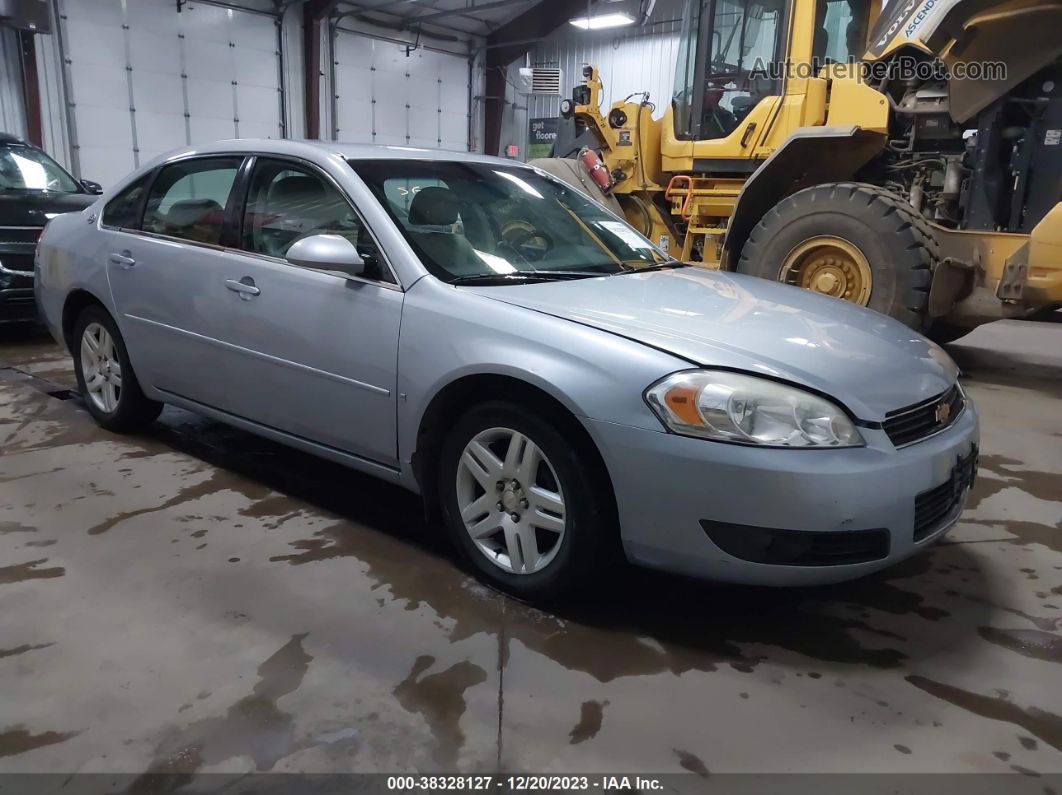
541, 81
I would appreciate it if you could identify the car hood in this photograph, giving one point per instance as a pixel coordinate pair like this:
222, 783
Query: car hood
28, 208
869, 362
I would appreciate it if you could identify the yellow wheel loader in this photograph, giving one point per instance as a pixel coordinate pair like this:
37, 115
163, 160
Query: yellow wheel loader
908, 160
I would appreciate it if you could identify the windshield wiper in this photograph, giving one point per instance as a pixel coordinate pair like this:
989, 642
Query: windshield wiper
519, 276
659, 266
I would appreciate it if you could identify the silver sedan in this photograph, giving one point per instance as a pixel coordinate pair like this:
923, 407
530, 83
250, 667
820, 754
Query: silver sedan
488, 337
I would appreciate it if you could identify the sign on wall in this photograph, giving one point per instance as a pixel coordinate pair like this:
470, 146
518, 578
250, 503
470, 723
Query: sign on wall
541, 136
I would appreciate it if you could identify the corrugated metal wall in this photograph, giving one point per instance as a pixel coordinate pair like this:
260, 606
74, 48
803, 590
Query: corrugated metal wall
12, 110
632, 59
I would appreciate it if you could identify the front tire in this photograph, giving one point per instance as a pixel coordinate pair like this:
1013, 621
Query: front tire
105, 376
523, 505
852, 241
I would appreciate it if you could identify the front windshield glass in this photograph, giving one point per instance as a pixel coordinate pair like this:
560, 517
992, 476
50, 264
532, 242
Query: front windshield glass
25, 168
471, 221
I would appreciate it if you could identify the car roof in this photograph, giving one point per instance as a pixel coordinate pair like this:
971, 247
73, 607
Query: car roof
8, 138
309, 149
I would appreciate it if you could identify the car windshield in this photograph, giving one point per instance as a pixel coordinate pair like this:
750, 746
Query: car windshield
477, 222
23, 168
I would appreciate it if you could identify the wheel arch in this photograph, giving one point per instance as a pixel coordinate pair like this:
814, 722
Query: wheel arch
808, 157
460, 394
76, 303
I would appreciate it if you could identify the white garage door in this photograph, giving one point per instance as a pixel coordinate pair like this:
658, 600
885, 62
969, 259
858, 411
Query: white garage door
144, 79
388, 97
12, 113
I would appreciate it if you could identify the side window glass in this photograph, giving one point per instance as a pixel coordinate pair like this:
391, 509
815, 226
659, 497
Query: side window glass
840, 31
188, 199
745, 41
122, 212
287, 203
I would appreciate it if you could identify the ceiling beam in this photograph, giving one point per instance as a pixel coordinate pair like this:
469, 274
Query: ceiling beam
394, 9
465, 10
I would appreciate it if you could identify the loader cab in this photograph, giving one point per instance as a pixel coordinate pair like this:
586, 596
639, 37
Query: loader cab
739, 59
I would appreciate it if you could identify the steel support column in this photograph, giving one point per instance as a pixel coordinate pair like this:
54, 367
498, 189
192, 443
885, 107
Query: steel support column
31, 89
314, 13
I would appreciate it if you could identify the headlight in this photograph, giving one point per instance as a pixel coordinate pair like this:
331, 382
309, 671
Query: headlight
730, 407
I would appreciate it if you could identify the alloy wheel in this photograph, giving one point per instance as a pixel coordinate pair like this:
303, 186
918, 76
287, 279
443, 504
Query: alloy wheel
101, 368
511, 501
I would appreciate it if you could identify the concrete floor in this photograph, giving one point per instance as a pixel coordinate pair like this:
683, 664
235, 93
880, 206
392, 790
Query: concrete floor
201, 600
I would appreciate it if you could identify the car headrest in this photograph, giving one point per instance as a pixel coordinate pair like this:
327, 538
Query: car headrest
293, 191
194, 211
433, 207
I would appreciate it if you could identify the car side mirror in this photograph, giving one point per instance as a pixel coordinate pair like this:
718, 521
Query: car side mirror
332, 253
92, 187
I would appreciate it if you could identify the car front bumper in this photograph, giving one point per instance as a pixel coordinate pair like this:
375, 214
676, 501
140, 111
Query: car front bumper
674, 492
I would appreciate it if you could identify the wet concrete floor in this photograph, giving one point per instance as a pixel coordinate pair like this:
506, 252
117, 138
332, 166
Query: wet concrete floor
197, 599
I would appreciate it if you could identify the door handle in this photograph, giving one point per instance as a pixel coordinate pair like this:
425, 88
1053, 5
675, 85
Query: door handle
244, 287
748, 133
123, 260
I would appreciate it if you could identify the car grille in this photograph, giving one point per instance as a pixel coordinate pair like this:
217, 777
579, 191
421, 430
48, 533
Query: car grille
935, 506
19, 236
22, 263
19, 298
908, 425
16, 247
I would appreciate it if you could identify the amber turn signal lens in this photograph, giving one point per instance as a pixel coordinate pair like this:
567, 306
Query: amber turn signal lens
682, 400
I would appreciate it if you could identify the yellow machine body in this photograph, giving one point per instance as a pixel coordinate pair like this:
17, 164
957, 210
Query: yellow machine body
700, 197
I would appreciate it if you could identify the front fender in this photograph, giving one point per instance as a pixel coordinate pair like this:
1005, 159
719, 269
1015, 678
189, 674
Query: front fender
450, 333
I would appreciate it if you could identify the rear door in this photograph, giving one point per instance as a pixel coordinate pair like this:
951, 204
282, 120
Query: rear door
165, 264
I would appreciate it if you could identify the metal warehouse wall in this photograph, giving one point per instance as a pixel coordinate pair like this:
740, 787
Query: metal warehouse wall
632, 59
122, 81
12, 113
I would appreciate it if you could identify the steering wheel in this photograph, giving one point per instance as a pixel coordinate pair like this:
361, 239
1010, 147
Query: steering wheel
531, 244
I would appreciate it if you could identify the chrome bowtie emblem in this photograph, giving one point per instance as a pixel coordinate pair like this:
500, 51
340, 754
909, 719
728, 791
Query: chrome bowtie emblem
942, 413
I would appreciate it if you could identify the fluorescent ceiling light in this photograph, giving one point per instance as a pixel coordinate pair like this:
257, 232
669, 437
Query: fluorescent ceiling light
601, 21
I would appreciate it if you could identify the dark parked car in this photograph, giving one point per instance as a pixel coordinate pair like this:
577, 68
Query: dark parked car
33, 190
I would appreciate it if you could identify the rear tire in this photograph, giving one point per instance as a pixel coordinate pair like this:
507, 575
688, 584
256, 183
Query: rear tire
894, 244
105, 375
555, 546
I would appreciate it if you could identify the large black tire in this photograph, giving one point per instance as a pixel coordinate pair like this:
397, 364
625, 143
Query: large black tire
133, 411
583, 554
897, 242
